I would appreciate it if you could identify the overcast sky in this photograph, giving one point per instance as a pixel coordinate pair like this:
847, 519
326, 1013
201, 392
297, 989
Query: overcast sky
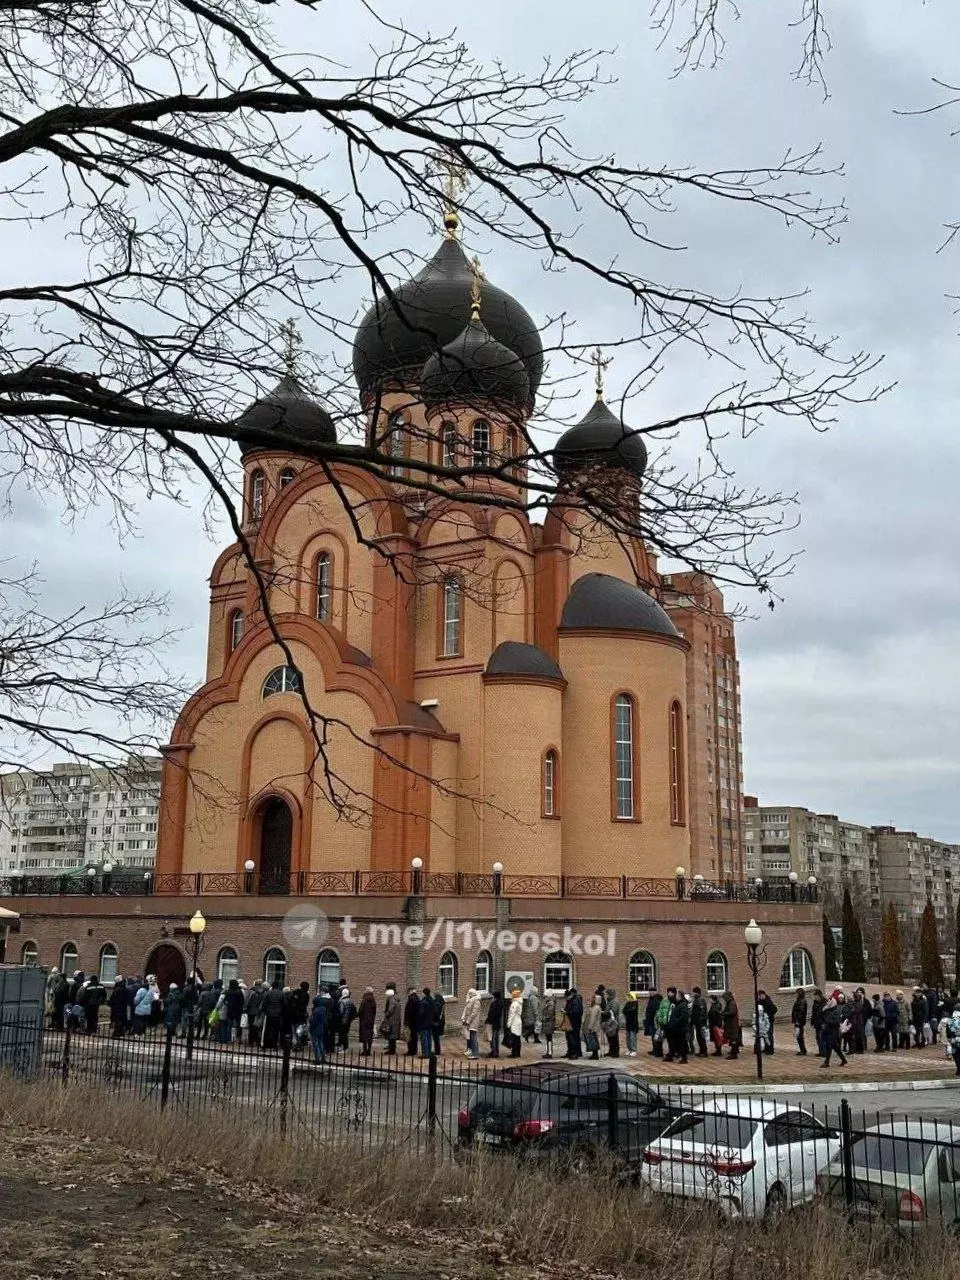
851, 694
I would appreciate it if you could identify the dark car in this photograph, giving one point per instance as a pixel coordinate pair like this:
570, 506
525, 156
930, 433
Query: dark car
559, 1110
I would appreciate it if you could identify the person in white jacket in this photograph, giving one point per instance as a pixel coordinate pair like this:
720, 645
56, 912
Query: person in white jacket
515, 1022
470, 1020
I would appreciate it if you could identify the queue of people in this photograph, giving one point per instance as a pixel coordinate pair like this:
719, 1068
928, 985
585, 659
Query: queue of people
842, 1025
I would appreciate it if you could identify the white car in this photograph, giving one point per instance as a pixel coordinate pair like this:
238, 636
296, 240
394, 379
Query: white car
748, 1156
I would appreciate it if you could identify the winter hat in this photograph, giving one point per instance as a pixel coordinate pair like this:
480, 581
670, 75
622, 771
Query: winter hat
837, 994
344, 993
172, 987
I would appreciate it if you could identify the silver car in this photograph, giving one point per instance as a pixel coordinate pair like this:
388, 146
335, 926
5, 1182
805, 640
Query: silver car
906, 1172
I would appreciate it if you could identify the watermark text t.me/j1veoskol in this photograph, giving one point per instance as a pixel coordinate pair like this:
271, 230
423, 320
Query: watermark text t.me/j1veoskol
474, 937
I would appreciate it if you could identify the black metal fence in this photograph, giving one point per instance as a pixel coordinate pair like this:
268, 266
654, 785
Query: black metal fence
748, 1156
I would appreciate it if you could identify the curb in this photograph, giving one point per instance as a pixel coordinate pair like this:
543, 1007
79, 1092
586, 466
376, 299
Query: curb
774, 1090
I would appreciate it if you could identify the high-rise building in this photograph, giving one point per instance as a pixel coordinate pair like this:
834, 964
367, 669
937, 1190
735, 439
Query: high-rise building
61, 820
916, 869
714, 734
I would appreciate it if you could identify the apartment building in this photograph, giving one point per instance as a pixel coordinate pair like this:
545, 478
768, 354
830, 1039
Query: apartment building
714, 732
61, 820
877, 864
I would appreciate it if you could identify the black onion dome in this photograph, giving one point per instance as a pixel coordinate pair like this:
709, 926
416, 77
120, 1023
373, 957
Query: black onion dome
511, 658
600, 437
474, 366
599, 602
396, 337
288, 411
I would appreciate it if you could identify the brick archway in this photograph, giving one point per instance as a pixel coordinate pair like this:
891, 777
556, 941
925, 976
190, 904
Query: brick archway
169, 965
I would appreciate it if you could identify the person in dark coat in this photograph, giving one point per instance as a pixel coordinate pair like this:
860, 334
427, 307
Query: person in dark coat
318, 1018
732, 1031
698, 1021
715, 1025
411, 1019
770, 1009
234, 1010
891, 1021
494, 1020
391, 1025
833, 1018
650, 1023
332, 1031
425, 1013
677, 1025
189, 1000
61, 992
933, 1011
439, 1021
119, 1019
816, 1016
348, 1014
573, 1010
96, 995
272, 1015
798, 1020
206, 1005
631, 1023
288, 1019
918, 1016
367, 1019
301, 1002
254, 1012
171, 1007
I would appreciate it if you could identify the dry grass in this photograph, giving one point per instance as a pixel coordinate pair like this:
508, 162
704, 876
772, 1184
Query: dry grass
504, 1216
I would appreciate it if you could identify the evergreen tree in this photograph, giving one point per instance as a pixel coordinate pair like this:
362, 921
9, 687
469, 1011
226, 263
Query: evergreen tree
830, 952
931, 966
891, 960
852, 953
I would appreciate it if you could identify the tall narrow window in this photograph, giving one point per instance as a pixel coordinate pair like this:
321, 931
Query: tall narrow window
287, 476
256, 495
481, 443
676, 763
236, 628
623, 755
324, 578
452, 613
449, 441
395, 442
108, 963
549, 806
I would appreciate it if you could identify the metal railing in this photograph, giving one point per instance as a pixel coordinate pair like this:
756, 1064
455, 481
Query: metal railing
404, 883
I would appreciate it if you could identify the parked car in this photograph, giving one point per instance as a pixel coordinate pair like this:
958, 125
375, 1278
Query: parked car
563, 1111
748, 1156
904, 1171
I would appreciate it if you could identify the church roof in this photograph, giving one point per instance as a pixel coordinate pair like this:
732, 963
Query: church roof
599, 602
511, 658
601, 438
290, 411
397, 336
473, 368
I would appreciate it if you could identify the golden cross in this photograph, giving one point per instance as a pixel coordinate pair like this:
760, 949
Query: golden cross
455, 181
600, 364
477, 273
291, 341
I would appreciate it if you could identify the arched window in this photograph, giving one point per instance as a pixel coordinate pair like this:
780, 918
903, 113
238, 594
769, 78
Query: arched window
718, 976
642, 972
228, 964
69, 958
677, 814
108, 963
29, 953
282, 680
396, 441
452, 617
236, 628
557, 973
328, 968
481, 443
550, 788
286, 476
483, 971
797, 969
323, 578
623, 756
256, 495
274, 966
449, 441
447, 974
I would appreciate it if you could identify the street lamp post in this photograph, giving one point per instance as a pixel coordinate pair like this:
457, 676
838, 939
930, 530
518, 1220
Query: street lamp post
91, 878
793, 878
812, 888
417, 865
248, 869
107, 873
501, 914
198, 926
681, 883
756, 959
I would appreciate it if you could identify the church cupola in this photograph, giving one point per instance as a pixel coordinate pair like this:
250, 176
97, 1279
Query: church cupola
600, 440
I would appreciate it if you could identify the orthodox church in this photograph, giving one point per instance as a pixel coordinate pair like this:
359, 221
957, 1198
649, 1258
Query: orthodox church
438, 677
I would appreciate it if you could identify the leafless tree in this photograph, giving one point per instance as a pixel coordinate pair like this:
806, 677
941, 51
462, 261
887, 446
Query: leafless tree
204, 182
